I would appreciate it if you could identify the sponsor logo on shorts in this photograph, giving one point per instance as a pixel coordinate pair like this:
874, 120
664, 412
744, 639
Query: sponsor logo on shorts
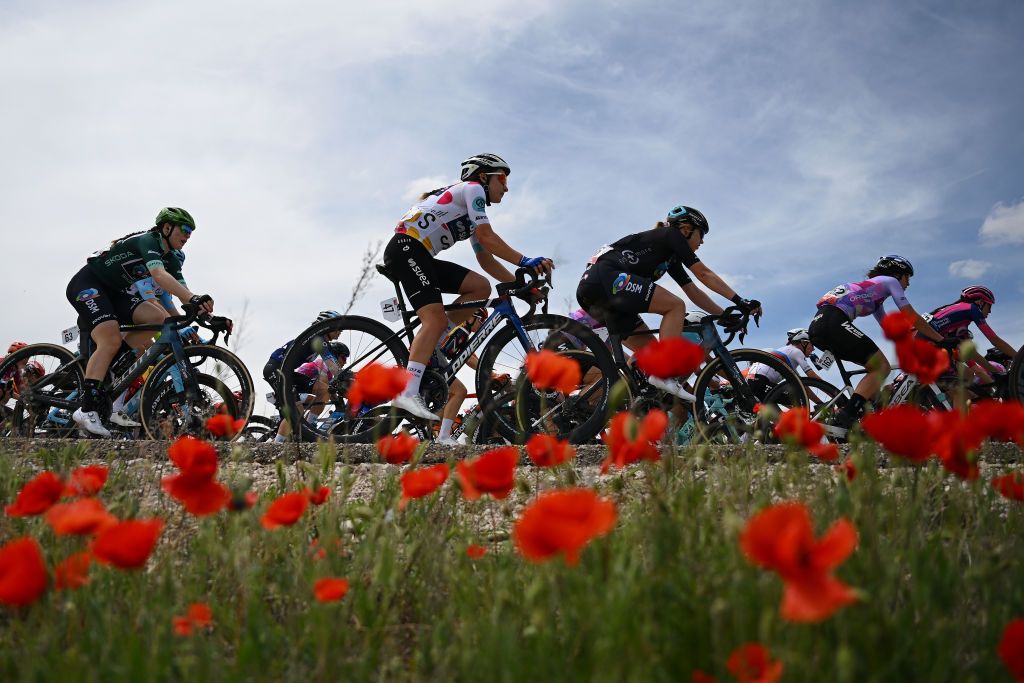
478, 204
419, 273
87, 294
848, 326
624, 283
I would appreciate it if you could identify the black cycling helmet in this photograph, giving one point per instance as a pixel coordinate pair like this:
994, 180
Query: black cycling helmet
894, 265
338, 350
679, 215
484, 162
175, 216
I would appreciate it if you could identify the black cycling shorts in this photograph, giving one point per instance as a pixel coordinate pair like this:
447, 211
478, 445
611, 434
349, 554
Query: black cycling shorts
96, 304
833, 331
614, 297
423, 277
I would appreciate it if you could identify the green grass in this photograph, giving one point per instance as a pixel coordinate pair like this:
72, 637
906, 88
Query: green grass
939, 565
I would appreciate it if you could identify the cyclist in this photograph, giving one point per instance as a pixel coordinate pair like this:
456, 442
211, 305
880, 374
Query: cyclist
25, 372
440, 219
621, 283
973, 306
832, 329
98, 293
796, 352
272, 368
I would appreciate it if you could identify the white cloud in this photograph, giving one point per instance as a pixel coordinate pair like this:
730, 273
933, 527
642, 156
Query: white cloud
969, 268
1004, 224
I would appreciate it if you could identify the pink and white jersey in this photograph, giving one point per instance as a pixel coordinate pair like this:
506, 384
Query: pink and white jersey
792, 356
313, 369
952, 319
867, 297
447, 216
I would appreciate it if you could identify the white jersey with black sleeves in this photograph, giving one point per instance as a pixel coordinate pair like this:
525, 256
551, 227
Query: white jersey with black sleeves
447, 216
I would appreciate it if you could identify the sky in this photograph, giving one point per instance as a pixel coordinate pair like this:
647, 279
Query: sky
814, 135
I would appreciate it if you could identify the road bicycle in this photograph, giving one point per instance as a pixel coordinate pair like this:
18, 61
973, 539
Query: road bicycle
509, 337
183, 385
725, 408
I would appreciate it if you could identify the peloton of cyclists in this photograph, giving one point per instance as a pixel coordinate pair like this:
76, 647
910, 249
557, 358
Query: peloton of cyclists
99, 294
620, 284
441, 218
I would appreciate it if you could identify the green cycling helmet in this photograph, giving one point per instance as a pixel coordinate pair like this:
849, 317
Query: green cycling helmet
175, 216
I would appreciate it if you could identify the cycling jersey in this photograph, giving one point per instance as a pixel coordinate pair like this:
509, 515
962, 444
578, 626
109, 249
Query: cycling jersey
449, 215
950, 321
857, 299
133, 258
651, 254
791, 355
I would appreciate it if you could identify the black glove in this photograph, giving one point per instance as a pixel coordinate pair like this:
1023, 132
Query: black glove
733, 322
950, 342
200, 299
746, 305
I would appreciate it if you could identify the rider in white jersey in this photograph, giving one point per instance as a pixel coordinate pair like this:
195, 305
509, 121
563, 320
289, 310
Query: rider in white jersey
795, 354
440, 219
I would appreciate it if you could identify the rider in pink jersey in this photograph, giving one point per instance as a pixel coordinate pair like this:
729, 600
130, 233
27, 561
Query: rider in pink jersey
832, 329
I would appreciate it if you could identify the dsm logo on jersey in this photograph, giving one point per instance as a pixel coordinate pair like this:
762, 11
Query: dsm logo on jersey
87, 294
478, 204
624, 283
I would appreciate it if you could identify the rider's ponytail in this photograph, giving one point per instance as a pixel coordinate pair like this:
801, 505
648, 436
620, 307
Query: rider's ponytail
434, 193
132, 234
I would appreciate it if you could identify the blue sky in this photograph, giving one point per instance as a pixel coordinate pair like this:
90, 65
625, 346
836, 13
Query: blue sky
815, 136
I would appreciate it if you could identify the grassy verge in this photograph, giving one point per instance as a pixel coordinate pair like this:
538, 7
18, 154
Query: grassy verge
938, 568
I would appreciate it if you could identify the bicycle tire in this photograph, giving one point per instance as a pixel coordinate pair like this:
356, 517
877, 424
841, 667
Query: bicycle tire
742, 419
226, 376
504, 354
1016, 383
820, 392
259, 429
24, 416
368, 341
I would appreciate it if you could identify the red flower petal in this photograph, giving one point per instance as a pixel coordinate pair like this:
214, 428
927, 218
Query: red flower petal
23, 575
330, 589
127, 545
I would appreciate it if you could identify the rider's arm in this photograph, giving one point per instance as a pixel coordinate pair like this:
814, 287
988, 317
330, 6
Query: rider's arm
920, 325
491, 265
495, 245
995, 339
807, 366
711, 280
701, 299
169, 284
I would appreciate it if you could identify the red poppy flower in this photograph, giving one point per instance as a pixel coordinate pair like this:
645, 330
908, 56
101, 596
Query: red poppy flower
847, 468
22, 572
375, 384
671, 357
923, 359
780, 538
475, 552
73, 572
547, 451
903, 430
955, 440
85, 516
999, 420
195, 458
700, 677
562, 521
37, 495
127, 545
750, 663
1010, 486
494, 472
549, 370
285, 510
898, 326
200, 497
224, 425
422, 482
330, 589
1011, 648
398, 449
199, 615
797, 427
630, 440
86, 481
320, 496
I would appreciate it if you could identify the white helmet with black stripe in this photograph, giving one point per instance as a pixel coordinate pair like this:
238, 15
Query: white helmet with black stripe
797, 335
483, 162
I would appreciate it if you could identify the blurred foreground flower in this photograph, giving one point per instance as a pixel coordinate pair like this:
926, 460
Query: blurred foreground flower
422, 482
330, 589
493, 472
545, 450
23, 576
397, 449
375, 384
668, 358
630, 440
127, 545
199, 615
562, 522
285, 510
549, 370
37, 495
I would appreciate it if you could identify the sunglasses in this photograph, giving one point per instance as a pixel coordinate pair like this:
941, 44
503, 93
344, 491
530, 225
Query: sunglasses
186, 230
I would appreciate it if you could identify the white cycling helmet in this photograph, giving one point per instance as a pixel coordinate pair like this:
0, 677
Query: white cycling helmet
798, 334
484, 162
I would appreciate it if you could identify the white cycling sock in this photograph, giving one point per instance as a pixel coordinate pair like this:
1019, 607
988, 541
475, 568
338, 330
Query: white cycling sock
446, 429
416, 370
280, 439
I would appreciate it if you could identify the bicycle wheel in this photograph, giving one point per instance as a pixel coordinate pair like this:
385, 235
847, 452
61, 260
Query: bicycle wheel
39, 389
259, 429
368, 342
1016, 383
172, 405
820, 393
518, 409
724, 410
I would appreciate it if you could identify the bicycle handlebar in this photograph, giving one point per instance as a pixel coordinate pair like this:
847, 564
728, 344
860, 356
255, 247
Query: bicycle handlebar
733, 320
532, 290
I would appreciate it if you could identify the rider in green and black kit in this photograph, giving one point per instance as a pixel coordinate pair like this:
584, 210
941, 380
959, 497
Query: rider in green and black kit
99, 293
